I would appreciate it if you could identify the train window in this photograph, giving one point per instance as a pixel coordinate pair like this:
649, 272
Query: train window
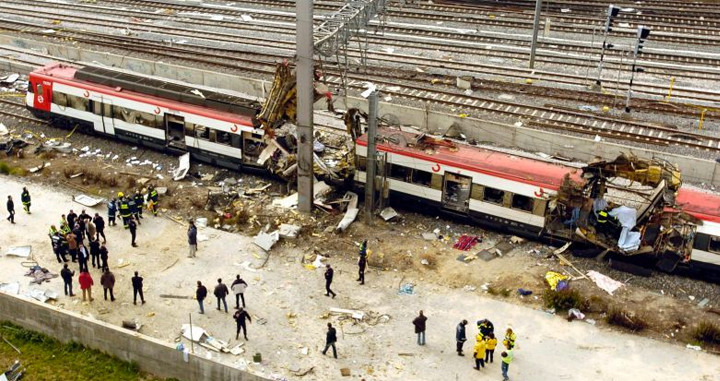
361, 164
78, 103
121, 113
493, 195
145, 119
202, 132
39, 89
59, 99
213, 135
421, 177
30, 87
399, 172
189, 129
223, 138
522, 202
477, 192
714, 245
107, 110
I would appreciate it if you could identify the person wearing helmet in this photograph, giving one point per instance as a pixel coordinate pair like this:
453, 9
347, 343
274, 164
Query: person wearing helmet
125, 213
139, 203
153, 198
112, 210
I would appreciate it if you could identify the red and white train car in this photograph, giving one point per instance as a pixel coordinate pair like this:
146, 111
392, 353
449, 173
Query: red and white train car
501, 190
216, 128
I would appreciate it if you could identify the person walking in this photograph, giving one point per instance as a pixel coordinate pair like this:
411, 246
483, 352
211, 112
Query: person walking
108, 282
99, 227
238, 286
132, 225
479, 353
200, 295
221, 291
86, 283
72, 246
112, 212
419, 323
490, 348
66, 274
137, 284
103, 256
328, 281
460, 337
330, 340
507, 358
362, 262
240, 315
192, 239
11, 210
83, 257
25, 198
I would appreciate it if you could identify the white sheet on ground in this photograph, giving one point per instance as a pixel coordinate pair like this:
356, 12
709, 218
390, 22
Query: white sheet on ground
605, 282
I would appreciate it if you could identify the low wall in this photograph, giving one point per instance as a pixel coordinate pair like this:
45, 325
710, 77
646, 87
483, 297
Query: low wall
151, 355
693, 169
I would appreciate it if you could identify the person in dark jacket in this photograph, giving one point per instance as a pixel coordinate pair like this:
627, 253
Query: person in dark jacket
240, 316
99, 227
153, 196
200, 295
460, 337
238, 287
11, 210
419, 323
66, 274
112, 212
103, 256
137, 283
95, 253
132, 207
25, 198
132, 225
71, 217
192, 239
108, 282
139, 203
83, 257
362, 262
330, 340
328, 281
221, 291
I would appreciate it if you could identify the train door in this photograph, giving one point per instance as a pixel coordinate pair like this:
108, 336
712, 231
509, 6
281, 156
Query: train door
108, 121
456, 192
43, 95
175, 131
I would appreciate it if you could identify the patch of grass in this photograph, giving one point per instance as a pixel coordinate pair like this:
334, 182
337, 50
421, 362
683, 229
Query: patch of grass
499, 291
596, 304
5, 168
626, 319
564, 300
18, 171
707, 332
131, 182
47, 155
48, 359
69, 171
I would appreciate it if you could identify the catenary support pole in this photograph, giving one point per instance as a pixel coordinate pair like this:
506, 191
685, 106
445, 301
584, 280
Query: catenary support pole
536, 26
304, 74
371, 157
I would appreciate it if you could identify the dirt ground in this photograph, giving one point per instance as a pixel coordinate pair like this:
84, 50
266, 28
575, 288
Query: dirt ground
290, 311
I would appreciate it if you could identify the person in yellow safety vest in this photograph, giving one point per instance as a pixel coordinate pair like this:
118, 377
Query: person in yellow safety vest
479, 354
153, 196
25, 198
53, 230
125, 211
139, 204
606, 223
490, 345
510, 337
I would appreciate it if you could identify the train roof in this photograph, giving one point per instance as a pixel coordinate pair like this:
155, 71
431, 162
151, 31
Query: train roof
476, 159
700, 203
224, 106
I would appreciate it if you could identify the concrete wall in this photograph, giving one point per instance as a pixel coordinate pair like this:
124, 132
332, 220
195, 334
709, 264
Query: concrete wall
152, 355
695, 170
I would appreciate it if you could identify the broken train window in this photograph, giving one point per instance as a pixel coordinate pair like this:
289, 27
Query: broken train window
493, 195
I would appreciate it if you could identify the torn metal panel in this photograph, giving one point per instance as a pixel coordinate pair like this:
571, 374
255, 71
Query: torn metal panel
183, 167
19, 251
88, 201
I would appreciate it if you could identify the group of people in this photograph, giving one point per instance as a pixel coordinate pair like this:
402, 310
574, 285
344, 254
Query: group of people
221, 291
75, 230
130, 209
25, 198
485, 344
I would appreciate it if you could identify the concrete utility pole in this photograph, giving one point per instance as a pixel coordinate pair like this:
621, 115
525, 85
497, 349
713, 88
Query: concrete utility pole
305, 97
536, 26
371, 157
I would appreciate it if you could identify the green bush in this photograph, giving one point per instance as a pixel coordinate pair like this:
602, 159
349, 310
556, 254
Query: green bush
4, 168
564, 300
621, 318
707, 332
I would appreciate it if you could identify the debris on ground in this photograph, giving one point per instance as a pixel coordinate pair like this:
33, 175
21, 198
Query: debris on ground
388, 214
575, 313
88, 201
266, 240
19, 251
183, 167
10, 288
355, 314
556, 280
604, 282
406, 289
351, 213
289, 231
466, 242
42, 295
40, 275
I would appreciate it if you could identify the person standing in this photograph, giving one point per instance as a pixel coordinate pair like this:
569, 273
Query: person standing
139, 204
72, 246
132, 225
86, 283
460, 337
419, 323
11, 210
479, 353
362, 262
124, 209
153, 197
112, 211
100, 227
509, 338
200, 295
192, 239
490, 348
103, 256
83, 258
91, 231
240, 316
108, 282
71, 218
132, 207
507, 358
221, 291
330, 340
58, 248
25, 198
328, 281
137, 283
238, 286
66, 274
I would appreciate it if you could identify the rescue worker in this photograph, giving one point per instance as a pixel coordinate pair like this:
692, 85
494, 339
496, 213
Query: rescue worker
112, 210
25, 198
139, 204
606, 223
510, 338
124, 209
479, 353
153, 196
133, 208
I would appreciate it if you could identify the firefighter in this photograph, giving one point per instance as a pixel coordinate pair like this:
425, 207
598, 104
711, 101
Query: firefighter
133, 208
139, 203
606, 223
25, 198
153, 197
124, 209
